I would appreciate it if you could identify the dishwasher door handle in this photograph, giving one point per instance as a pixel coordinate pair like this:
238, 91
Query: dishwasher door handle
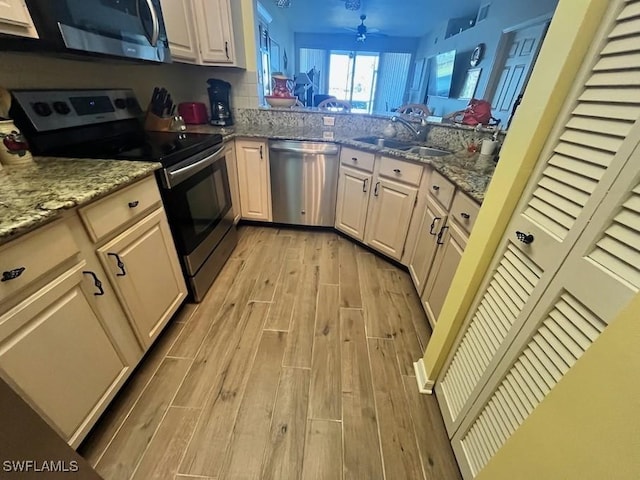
301, 147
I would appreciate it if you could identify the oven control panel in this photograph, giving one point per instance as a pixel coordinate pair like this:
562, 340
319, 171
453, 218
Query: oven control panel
48, 110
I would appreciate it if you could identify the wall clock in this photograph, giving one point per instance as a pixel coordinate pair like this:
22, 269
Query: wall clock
476, 56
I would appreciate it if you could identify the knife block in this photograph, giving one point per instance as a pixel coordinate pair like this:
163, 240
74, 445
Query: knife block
154, 123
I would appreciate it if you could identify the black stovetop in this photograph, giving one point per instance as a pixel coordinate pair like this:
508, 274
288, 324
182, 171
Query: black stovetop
167, 148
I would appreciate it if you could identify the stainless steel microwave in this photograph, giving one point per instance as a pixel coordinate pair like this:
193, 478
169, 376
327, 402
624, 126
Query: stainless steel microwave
124, 28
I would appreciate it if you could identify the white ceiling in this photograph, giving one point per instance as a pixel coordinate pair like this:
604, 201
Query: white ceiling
398, 18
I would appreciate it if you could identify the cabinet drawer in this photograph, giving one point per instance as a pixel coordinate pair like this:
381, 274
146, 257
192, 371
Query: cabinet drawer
464, 211
357, 159
106, 215
34, 255
441, 189
399, 170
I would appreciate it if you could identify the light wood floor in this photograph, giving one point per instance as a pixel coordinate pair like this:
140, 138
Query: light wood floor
298, 365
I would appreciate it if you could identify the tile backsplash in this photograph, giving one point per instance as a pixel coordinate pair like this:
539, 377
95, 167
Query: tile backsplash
184, 82
189, 83
450, 137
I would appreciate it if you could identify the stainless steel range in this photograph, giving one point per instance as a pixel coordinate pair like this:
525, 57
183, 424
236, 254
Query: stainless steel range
193, 181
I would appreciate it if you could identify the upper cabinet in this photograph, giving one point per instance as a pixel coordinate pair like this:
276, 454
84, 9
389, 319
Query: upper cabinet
181, 30
205, 32
15, 19
215, 31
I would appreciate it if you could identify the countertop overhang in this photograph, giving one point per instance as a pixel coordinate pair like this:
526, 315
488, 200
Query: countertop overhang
459, 167
32, 195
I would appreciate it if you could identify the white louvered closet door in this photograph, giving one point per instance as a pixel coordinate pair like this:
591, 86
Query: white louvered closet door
599, 277
584, 155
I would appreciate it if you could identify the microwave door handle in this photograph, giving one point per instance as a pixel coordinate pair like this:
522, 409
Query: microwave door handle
175, 177
155, 34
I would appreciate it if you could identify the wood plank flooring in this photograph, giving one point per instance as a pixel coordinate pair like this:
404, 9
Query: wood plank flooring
297, 365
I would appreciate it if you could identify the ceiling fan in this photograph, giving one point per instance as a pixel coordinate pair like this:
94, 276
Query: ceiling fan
362, 31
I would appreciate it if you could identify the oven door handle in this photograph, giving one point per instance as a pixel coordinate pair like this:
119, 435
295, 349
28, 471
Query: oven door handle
175, 177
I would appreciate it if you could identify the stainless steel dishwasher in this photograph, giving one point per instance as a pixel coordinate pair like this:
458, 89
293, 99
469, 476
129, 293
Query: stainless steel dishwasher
304, 182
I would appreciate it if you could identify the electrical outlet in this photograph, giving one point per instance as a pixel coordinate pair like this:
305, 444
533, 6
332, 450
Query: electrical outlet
327, 135
329, 121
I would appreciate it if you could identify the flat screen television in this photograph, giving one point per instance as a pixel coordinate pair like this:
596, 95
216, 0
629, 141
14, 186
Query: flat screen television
441, 74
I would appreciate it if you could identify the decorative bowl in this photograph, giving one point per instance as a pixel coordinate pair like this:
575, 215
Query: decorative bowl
282, 102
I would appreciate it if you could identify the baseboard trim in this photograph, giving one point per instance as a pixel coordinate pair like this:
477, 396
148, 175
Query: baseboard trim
424, 384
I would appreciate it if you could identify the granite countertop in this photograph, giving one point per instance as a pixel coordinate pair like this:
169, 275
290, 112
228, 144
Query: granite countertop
459, 167
35, 194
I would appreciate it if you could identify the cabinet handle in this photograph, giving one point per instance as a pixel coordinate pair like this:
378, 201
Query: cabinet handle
119, 264
12, 274
466, 216
134, 204
442, 230
397, 170
355, 159
525, 238
364, 185
96, 282
375, 190
226, 50
433, 224
261, 154
436, 187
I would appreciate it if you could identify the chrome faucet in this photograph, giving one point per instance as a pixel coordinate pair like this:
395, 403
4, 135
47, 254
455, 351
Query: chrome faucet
418, 133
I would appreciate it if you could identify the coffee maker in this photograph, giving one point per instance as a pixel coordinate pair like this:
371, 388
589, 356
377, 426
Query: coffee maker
219, 96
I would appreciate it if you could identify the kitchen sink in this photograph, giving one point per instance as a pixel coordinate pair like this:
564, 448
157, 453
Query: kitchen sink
429, 151
409, 147
388, 143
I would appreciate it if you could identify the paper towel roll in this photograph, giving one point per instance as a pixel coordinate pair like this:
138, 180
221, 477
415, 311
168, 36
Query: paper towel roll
488, 147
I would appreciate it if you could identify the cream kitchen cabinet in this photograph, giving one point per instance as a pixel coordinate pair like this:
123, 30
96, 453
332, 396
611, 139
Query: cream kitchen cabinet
254, 179
451, 242
352, 202
141, 261
389, 215
232, 172
441, 242
142, 265
15, 19
392, 201
56, 352
180, 24
57, 349
376, 199
205, 32
426, 244
78, 307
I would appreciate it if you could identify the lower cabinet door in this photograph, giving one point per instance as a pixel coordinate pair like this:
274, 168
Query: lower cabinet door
389, 215
55, 351
352, 202
426, 244
254, 179
143, 267
452, 242
232, 171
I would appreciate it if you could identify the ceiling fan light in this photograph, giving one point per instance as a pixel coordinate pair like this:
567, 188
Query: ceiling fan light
352, 4
283, 3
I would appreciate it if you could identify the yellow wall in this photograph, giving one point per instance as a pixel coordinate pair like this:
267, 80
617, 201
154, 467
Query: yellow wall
568, 39
249, 28
589, 425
